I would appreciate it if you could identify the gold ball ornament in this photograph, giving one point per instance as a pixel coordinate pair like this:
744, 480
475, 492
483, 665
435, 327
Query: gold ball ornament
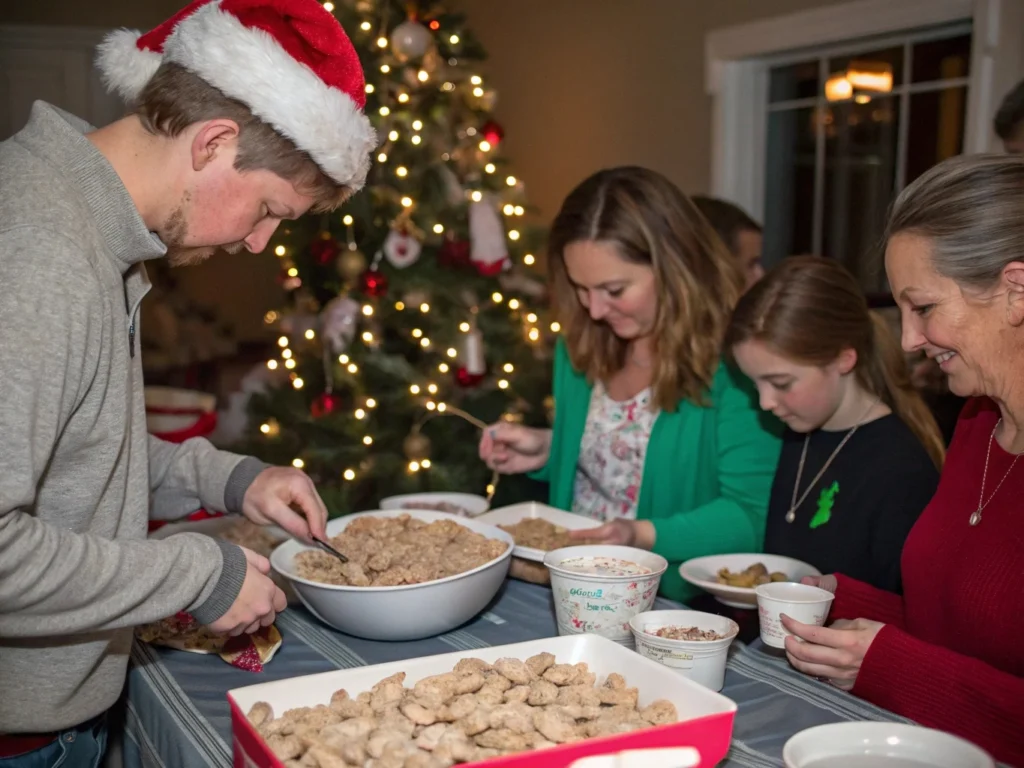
416, 447
351, 264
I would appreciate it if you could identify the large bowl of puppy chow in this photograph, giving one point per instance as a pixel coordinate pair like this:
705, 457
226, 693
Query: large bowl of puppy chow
410, 573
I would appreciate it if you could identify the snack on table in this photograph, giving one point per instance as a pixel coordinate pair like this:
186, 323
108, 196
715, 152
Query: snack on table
753, 576
182, 631
438, 506
538, 533
477, 711
390, 551
687, 633
251, 536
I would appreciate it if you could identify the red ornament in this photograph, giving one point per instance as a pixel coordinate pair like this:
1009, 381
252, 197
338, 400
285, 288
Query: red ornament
466, 379
325, 250
454, 253
326, 403
492, 132
373, 283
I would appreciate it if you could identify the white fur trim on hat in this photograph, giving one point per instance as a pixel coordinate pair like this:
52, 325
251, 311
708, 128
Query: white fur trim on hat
124, 66
249, 65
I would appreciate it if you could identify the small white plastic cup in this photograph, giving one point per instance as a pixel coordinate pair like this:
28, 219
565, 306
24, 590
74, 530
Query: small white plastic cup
806, 604
703, 661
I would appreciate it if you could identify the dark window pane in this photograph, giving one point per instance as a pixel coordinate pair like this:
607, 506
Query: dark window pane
789, 184
888, 59
796, 81
941, 59
936, 129
860, 175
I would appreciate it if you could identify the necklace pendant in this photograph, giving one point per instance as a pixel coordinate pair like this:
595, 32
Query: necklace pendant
791, 516
975, 517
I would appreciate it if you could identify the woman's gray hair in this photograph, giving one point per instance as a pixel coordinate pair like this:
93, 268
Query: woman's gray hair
971, 208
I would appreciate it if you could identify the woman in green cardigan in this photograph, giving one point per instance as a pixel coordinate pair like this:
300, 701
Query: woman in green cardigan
654, 435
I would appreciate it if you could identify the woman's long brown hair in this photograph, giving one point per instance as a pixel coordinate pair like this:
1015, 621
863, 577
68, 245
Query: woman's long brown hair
649, 221
809, 309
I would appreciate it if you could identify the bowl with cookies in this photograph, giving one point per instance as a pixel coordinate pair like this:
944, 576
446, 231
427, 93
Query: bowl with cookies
409, 574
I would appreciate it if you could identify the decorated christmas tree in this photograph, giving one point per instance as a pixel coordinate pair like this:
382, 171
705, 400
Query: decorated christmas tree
416, 313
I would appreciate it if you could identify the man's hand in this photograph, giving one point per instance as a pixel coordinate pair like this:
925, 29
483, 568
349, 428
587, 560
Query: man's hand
258, 602
271, 497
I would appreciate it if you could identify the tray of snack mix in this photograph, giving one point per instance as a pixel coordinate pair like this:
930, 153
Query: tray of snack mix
551, 703
537, 528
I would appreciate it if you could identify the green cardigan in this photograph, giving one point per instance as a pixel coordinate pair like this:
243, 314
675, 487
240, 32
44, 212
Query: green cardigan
707, 473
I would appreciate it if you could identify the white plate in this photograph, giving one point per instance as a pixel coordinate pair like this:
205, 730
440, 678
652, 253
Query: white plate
881, 745
533, 509
474, 505
703, 571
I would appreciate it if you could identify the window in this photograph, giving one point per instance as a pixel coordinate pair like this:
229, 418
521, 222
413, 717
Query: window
846, 128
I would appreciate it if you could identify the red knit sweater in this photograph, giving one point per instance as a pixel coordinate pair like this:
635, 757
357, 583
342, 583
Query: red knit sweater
951, 655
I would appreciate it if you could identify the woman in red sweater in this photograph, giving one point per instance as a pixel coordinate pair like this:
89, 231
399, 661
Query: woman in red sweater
948, 653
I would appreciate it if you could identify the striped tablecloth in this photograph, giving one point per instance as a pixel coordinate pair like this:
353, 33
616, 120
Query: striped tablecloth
177, 713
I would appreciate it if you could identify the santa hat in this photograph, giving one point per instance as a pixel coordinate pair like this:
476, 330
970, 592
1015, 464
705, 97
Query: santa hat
289, 61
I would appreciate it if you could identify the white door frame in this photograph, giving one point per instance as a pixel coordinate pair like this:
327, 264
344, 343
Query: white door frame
736, 74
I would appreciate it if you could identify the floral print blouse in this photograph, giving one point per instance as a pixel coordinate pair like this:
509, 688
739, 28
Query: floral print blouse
611, 463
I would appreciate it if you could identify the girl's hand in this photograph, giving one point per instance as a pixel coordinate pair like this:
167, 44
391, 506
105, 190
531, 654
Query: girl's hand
625, 533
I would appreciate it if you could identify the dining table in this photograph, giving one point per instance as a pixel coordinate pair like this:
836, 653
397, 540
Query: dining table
176, 711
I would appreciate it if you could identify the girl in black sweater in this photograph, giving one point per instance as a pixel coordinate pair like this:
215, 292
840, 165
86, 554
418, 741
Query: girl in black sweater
861, 454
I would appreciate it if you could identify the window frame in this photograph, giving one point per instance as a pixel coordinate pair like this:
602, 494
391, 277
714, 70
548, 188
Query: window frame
737, 60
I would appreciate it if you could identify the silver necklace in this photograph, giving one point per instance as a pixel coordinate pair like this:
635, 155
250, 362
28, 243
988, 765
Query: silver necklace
976, 514
796, 503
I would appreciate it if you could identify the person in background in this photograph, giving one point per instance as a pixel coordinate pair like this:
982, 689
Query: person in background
1009, 120
242, 114
947, 653
861, 454
740, 233
653, 434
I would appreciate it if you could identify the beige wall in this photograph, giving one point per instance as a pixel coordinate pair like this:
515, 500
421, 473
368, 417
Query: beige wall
582, 84
622, 82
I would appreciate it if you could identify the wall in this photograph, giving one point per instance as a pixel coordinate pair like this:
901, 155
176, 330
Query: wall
623, 83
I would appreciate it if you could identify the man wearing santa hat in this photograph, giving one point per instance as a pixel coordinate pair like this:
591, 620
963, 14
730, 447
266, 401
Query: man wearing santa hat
244, 113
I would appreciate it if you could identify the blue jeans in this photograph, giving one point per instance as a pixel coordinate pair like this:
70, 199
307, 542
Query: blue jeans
79, 747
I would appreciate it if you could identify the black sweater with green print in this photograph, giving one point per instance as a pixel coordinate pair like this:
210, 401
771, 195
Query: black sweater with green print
858, 514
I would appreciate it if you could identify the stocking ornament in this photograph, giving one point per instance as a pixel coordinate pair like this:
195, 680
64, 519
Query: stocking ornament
488, 251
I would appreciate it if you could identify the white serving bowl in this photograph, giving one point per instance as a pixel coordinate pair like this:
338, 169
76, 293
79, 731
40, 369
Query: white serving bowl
602, 604
406, 612
474, 505
703, 661
880, 745
703, 572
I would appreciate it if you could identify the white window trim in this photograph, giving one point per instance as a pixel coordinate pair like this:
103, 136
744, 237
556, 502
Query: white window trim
737, 74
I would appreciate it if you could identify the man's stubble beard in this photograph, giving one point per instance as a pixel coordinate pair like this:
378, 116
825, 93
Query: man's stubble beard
174, 233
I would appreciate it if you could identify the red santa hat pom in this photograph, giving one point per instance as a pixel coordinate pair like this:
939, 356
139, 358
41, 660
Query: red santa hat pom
289, 61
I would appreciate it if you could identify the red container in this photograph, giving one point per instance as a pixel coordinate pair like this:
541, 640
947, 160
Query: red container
706, 717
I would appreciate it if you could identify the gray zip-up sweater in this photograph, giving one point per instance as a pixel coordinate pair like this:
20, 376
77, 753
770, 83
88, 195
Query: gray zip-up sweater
78, 472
